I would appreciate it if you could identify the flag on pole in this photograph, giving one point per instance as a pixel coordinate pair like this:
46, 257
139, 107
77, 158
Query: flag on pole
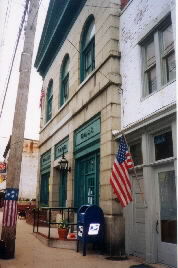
41, 97
120, 177
10, 207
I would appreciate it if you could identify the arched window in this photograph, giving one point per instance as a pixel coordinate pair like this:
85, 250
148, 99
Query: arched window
88, 48
49, 99
64, 94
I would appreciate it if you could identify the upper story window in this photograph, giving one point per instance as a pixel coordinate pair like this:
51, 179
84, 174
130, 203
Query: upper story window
88, 48
167, 54
49, 99
159, 58
64, 94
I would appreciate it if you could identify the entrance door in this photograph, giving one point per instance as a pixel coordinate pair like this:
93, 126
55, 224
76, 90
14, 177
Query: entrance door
166, 225
44, 193
87, 180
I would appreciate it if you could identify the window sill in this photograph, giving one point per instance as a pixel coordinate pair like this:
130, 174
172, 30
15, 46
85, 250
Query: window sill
163, 161
167, 84
155, 164
162, 87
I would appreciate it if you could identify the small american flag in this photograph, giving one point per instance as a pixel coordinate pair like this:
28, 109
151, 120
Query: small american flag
10, 207
120, 177
41, 97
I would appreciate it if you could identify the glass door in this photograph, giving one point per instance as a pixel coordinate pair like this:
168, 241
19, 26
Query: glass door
87, 180
166, 224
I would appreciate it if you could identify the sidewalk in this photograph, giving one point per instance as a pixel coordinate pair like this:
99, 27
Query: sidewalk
31, 253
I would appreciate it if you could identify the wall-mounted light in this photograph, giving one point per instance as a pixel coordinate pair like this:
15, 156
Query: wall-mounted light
64, 164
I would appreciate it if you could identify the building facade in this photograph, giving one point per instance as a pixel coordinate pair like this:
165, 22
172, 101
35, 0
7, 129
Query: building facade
148, 71
78, 58
29, 169
85, 50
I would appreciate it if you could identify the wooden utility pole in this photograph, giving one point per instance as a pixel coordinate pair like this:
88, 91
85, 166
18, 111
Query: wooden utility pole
8, 234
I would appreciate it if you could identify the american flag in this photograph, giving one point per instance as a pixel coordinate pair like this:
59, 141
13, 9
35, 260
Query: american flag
10, 207
120, 177
42, 96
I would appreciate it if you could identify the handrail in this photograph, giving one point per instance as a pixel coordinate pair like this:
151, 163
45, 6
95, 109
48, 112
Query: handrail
37, 220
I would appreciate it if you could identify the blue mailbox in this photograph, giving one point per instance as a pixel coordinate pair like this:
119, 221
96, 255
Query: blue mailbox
90, 226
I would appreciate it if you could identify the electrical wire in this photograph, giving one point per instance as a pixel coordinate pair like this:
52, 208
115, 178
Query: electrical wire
14, 54
97, 70
8, 9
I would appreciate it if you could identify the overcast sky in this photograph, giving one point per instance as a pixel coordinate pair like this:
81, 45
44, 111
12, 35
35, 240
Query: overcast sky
10, 17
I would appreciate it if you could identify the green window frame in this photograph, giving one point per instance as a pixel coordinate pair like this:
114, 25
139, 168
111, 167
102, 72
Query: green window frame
64, 93
87, 48
49, 100
87, 180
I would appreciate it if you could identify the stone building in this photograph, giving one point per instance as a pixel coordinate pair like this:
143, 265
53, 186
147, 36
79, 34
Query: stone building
86, 48
78, 58
147, 44
29, 169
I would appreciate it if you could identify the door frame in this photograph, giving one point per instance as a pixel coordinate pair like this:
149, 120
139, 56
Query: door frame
165, 250
77, 180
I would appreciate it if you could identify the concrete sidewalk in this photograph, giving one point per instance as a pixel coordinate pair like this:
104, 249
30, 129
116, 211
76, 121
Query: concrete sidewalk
31, 253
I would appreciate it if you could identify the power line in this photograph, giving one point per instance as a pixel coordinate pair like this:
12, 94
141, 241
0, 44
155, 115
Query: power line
6, 21
80, 53
13, 58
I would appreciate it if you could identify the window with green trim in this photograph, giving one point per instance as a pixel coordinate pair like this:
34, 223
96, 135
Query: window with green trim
88, 48
49, 101
44, 191
64, 94
63, 189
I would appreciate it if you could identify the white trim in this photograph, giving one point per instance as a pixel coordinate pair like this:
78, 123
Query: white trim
163, 112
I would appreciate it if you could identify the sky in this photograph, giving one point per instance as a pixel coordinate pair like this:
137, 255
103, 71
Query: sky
10, 17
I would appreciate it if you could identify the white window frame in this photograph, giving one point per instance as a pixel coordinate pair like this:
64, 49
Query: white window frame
161, 72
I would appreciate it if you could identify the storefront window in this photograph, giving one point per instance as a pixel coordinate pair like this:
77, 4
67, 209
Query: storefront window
136, 152
163, 146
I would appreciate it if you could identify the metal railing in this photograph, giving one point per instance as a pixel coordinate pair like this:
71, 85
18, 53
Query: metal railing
43, 217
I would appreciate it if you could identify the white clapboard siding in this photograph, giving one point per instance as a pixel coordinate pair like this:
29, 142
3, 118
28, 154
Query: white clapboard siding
138, 218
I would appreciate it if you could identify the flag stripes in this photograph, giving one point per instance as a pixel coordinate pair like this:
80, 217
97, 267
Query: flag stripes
10, 207
119, 178
9, 213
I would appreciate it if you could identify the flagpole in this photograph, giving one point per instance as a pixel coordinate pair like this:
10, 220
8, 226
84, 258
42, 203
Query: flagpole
137, 179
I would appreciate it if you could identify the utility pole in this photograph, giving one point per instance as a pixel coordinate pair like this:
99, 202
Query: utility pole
8, 234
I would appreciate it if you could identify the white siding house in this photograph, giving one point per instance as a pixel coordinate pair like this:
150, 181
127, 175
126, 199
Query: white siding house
147, 45
29, 169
